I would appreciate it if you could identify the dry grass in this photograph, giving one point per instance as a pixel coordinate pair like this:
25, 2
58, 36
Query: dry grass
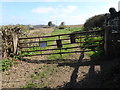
74, 26
40, 32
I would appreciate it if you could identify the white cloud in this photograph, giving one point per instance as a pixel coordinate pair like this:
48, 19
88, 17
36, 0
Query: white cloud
76, 19
42, 10
14, 20
103, 9
66, 13
112, 4
68, 9
119, 6
60, 16
69, 19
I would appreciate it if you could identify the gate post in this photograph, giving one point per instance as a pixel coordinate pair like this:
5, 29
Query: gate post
108, 42
0, 45
0, 60
15, 42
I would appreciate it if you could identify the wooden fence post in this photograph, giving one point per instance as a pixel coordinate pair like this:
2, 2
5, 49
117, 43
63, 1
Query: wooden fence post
119, 23
108, 42
0, 45
15, 42
0, 60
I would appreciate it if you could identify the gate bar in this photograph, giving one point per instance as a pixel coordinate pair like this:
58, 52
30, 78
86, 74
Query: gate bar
59, 53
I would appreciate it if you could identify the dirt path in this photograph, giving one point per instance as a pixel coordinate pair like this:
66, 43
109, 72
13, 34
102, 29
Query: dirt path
18, 75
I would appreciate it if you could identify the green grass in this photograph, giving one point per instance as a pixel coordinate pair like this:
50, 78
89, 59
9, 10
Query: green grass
98, 53
6, 63
66, 30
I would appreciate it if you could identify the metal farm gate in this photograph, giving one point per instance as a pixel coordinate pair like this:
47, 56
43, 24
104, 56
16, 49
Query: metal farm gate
61, 44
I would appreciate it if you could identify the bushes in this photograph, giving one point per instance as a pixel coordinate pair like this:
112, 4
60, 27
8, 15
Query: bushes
61, 27
92, 41
95, 21
97, 51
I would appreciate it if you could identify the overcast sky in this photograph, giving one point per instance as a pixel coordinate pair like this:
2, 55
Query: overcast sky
72, 12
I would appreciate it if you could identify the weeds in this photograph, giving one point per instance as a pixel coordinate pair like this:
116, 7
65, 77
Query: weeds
38, 79
7, 63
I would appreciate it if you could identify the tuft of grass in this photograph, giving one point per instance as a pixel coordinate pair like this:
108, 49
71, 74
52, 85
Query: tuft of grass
31, 86
7, 63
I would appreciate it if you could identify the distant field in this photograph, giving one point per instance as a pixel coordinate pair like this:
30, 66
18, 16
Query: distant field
73, 26
38, 32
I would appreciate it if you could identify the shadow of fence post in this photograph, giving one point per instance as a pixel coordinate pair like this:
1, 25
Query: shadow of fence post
74, 75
